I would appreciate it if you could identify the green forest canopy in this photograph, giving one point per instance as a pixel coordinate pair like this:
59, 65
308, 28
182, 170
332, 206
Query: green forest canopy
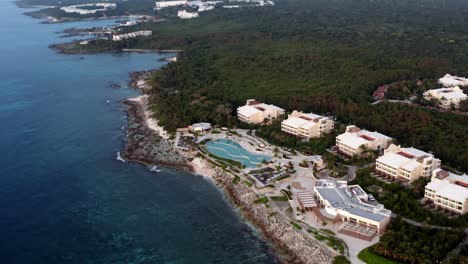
326, 56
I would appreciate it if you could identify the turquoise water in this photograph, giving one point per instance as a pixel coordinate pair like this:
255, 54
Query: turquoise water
64, 198
228, 149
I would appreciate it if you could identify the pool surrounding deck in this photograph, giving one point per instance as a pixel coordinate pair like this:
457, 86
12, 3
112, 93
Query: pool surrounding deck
228, 149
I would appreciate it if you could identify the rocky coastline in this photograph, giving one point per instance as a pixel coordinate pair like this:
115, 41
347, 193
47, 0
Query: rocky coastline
148, 147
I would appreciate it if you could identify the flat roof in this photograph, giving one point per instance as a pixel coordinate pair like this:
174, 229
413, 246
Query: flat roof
449, 188
342, 198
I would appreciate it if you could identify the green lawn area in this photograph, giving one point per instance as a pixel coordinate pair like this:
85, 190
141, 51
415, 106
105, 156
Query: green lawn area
370, 257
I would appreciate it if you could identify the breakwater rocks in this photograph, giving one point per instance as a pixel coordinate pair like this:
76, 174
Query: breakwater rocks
144, 145
138, 80
294, 243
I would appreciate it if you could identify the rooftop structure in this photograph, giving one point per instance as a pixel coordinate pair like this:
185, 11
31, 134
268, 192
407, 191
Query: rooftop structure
354, 141
142, 33
164, 4
186, 15
200, 127
407, 164
446, 97
448, 190
450, 81
254, 112
350, 204
84, 9
307, 125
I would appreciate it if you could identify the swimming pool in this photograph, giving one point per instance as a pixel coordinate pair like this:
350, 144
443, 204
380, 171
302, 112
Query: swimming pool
228, 149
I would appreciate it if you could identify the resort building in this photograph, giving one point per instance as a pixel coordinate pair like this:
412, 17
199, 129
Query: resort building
350, 205
448, 190
141, 33
446, 97
86, 9
186, 15
450, 81
354, 141
164, 4
406, 164
307, 125
254, 112
200, 127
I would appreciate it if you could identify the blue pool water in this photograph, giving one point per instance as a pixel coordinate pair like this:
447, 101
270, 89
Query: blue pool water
64, 198
228, 149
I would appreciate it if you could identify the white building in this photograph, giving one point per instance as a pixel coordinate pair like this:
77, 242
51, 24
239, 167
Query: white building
186, 15
448, 190
164, 4
349, 203
99, 7
254, 112
407, 164
141, 33
450, 81
446, 97
200, 127
354, 141
307, 125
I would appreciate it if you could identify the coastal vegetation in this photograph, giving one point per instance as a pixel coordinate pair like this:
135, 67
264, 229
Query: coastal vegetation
321, 56
405, 201
409, 244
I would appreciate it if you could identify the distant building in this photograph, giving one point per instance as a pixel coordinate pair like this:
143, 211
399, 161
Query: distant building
448, 190
349, 204
450, 81
86, 9
307, 125
200, 127
407, 164
354, 141
141, 33
254, 112
164, 4
186, 15
447, 97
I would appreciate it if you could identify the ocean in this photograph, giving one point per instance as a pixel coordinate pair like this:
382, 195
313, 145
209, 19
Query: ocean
64, 197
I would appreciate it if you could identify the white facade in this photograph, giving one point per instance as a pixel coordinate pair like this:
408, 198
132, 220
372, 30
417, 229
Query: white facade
350, 204
200, 127
186, 15
307, 125
448, 190
447, 97
407, 164
78, 8
141, 33
164, 4
450, 81
354, 140
254, 112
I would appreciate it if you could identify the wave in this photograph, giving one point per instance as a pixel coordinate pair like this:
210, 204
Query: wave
120, 158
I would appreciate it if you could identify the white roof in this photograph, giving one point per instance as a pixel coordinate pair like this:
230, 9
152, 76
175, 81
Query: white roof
449, 80
416, 152
450, 93
202, 125
450, 190
295, 122
312, 115
248, 110
352, 140
394, 160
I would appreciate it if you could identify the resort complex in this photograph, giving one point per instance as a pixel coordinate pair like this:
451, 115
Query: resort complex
446, 97
186, 15
355, 141
86, 9
448, 191
141, 33
307, 125
349, 204
254, 112
406, 164
451, 81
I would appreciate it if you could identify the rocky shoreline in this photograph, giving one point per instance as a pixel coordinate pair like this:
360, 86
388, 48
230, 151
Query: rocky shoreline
145, 146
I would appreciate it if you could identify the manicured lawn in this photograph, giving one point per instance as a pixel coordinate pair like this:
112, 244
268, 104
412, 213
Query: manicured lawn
370, 257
